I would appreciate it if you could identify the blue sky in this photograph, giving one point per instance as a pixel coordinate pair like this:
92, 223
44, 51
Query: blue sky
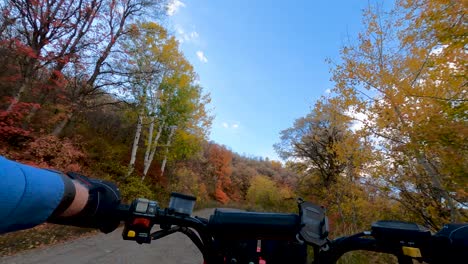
263, 62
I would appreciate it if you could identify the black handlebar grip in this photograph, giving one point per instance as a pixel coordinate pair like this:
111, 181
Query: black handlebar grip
122, 212
253, 225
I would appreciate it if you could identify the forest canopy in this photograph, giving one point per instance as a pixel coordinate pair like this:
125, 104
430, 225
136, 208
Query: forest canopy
392, 132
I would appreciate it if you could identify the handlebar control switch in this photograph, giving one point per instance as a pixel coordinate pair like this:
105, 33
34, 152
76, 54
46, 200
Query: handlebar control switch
138, 225
182, 203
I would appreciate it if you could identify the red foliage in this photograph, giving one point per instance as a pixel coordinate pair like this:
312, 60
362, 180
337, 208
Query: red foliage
11, 78
50, 151
58, 79
220, 195
11, 130
24, 50
220, 159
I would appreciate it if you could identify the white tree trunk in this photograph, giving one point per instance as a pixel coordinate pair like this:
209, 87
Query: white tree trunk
152, 151
59, 128
163, 165
136, 140
149, 142
16, 98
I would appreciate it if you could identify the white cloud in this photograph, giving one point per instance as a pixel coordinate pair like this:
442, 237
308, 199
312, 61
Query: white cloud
180, 30
189, 37
194, 35
201, 56
327, 91
231, 125
183, 36
359, 119
174, 6
438, 49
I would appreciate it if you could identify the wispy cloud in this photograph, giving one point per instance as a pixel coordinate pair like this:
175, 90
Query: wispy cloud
193, 35
231, 125
174, 6
327, 91
183, 36
201, 56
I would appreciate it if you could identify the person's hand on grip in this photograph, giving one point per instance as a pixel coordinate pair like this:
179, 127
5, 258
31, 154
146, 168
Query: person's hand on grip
93, 205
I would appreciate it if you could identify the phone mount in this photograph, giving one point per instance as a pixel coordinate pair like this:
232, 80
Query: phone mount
314, 223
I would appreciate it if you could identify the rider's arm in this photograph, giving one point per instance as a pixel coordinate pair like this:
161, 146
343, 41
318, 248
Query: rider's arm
29, 195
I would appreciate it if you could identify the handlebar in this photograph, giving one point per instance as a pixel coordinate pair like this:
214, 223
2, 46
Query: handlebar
407, 241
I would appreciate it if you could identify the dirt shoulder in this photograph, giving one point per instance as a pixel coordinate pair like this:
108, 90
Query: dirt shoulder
39, 237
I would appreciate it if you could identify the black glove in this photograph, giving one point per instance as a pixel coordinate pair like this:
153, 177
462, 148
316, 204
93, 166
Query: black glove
99, 212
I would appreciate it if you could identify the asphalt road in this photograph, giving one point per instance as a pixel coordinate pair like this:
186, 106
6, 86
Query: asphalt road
111, 249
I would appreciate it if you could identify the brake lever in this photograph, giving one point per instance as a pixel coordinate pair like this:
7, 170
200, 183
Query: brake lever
192, 235
165, 232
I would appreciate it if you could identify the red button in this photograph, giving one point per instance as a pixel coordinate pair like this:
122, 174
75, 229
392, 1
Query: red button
142, 221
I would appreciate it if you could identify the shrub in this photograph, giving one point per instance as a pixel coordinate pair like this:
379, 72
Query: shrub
50, 151
265, 194
11, 129
221, 196
132, 187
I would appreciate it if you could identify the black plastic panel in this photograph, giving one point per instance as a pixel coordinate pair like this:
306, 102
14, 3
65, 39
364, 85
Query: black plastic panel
398, 230
253, 225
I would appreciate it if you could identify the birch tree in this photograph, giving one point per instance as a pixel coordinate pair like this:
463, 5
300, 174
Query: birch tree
159, 88
182, 120
177, 72
145, 48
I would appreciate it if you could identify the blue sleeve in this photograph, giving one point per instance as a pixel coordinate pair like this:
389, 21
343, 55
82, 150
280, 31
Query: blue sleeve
28, 195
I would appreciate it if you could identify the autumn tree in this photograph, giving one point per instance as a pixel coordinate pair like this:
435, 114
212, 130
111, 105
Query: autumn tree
323, 142
184, 109
103, 77
329, 157
64, 47
405, 82
46, 36
242, 173
220, 167
169, 104
149, 50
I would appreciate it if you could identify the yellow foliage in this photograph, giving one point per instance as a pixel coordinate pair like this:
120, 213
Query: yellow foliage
407, 75
265, 194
